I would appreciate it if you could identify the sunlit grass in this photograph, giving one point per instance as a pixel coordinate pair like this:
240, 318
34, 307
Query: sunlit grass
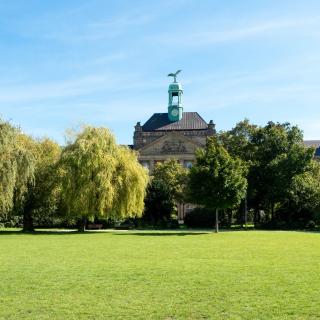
160, 275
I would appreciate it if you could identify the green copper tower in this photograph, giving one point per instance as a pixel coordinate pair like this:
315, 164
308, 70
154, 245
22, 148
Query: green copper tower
175, 91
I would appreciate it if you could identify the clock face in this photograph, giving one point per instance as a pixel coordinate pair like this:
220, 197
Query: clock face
175, 112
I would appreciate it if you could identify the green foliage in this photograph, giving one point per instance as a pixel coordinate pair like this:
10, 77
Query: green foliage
280, 156
159, 204
239, 141
303, 199
100, 178
274, 155
217, 180
174, 176
200, 218
131, 180
17, 165
8, 166
305, 189
42, 196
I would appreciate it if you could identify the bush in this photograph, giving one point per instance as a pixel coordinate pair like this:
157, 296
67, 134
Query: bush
159, 205
11, 222
200, 218
125, 225
310, 225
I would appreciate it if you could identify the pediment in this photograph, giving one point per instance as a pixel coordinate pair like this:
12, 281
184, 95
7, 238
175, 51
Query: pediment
171, 144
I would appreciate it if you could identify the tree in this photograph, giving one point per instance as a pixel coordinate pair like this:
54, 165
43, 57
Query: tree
8, 165
42, 195
274, 155
174, 176
17, 165
165, 191
303, 199
280, 156
99, 178
239, 143
217, 181
159, 203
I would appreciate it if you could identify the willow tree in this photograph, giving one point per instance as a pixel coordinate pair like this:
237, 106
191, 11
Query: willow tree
100, 178
8, 166
17, 166
41, 196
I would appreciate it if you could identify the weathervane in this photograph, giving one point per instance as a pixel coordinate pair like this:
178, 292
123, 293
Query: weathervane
174, 75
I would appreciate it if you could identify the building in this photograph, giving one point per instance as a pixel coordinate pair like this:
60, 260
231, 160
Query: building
171, 135
316, 145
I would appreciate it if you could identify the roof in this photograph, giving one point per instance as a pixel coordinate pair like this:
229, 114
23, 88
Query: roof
313, 143
161, 122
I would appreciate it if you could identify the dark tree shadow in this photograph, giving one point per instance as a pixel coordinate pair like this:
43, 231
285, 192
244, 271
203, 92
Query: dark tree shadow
159, 234
141, 233
113, 232
40, 232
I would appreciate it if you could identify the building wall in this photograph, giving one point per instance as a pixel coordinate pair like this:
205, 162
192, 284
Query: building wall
171, 145
156, 147
160, 145
141, 138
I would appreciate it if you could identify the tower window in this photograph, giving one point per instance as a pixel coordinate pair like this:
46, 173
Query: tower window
175, 99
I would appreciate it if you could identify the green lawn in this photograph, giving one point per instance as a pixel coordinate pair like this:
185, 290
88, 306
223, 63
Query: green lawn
160, 275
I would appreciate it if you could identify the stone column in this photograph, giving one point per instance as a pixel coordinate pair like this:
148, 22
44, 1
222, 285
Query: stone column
151, 165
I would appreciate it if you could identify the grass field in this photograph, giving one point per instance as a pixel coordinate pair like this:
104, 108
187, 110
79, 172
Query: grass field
160, 275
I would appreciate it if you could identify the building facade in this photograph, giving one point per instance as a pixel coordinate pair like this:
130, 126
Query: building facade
172, 135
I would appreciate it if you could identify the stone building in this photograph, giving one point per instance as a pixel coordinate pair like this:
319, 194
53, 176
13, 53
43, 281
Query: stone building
316, 145
171, 135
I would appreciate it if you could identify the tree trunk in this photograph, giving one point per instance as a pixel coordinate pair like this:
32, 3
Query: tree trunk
256, 218
229, 215
245, 212
217, 221
272, 211
27, 222
82, 224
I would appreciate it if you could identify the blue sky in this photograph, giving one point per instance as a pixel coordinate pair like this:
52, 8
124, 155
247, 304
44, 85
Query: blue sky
67, 63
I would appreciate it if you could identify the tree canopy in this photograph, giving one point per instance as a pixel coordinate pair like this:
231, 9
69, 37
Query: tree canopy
42, 196
217, 180
174, 176
274, 154
100, 178
17, 165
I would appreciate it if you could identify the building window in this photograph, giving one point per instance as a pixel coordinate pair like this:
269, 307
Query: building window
145, 164
188, 164
157, 162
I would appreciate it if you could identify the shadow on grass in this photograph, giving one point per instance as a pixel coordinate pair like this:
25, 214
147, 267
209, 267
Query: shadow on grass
113, 232
159, 234
146, 233
46, 232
